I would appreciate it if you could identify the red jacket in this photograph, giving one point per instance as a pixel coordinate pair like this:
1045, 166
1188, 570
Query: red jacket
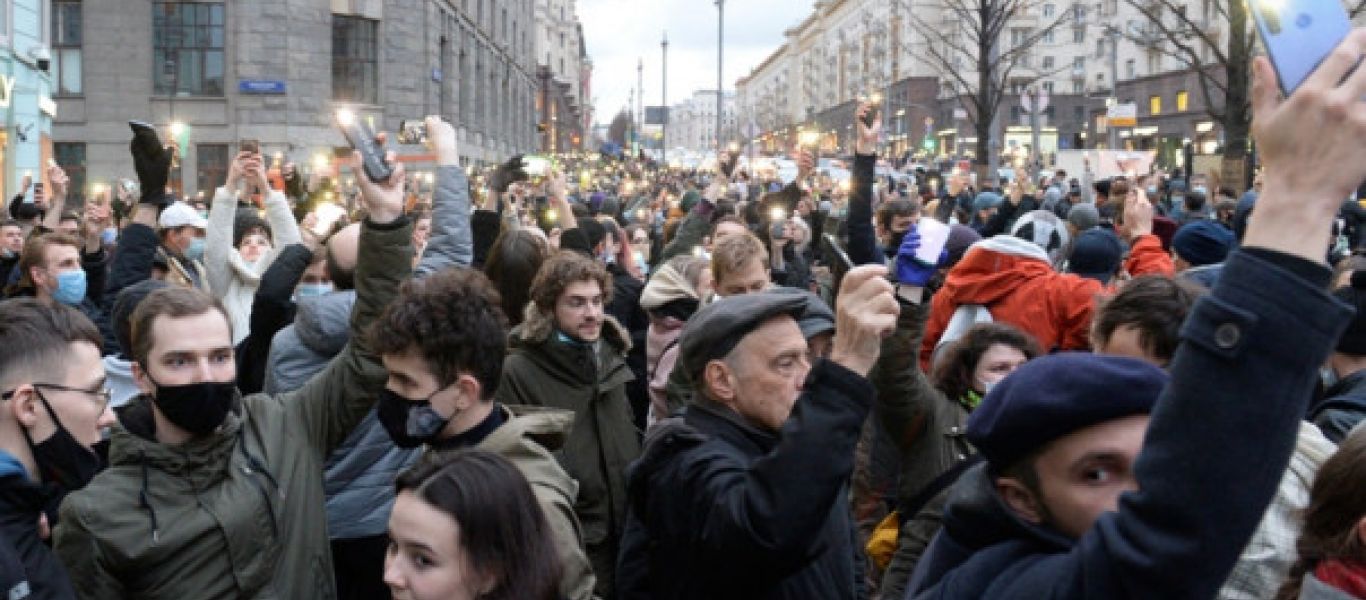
1014, 280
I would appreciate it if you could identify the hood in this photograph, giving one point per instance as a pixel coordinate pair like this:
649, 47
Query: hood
202, 461
529, 438
118, 368
667, 285
323, 323
993, 268
548, 427
537, 328
976, 519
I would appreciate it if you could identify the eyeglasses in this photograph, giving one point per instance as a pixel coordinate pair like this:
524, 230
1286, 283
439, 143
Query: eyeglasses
102, 395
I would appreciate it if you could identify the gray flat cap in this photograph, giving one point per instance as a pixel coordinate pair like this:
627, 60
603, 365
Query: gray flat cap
715, 330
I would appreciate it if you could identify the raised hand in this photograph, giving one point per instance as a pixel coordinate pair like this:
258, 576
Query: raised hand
867, 313
866, 143
383, 201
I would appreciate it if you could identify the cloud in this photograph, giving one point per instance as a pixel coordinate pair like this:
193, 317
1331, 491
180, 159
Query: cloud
620, 32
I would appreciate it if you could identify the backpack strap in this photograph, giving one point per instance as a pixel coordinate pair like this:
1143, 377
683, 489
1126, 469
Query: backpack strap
915, 504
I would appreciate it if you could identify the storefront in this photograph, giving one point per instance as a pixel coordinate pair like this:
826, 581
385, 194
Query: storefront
25, 96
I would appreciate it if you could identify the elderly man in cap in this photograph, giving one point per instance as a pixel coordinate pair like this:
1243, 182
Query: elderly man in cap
745, 495
182, 247
1107, 478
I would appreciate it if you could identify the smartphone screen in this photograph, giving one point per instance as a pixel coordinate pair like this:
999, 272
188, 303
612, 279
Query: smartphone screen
536, 166
1298, 35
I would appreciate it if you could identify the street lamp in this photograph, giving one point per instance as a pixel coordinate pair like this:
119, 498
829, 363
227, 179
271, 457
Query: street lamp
720, 49
664, 100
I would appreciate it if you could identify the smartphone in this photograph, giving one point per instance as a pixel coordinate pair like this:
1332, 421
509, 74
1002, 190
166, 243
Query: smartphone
252, 146
840, 255
141, 126
1298, 35
358, 133
412, 132
536, 166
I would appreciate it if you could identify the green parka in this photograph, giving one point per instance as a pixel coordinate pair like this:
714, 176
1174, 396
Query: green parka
527, 440
237, 513
589, 380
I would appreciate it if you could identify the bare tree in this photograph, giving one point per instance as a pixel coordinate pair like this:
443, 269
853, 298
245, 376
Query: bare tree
973, 34
619, 128
1221, 64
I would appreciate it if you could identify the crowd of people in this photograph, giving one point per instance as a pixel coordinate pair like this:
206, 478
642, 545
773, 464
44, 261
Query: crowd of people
616, 380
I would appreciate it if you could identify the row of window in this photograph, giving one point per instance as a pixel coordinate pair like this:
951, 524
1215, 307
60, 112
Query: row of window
188, 51
211, 162
1182, 103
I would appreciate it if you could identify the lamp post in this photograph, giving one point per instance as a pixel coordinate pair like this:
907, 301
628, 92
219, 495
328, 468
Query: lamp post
664, 101
720, 49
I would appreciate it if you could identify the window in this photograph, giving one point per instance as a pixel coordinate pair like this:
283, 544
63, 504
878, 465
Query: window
1018, 35
1048, 87
187, 48
66, 47
70, 156
1048, 36
1049, 10
1155, 105
1078, 87
355, 58
1078, 62
1048, 62
1129, 69
1078, 114
1182, 101
1078, 35
211, 160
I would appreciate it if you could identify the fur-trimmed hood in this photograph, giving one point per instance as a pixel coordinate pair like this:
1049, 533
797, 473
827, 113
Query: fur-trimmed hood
538, 326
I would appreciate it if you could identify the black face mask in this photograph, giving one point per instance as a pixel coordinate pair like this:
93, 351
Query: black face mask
894, 244
410, 423
198, 408
61, 459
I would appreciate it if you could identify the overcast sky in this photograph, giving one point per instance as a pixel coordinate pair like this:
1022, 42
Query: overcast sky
619, 32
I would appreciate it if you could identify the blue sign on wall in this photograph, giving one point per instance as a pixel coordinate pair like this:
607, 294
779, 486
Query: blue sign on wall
260, 86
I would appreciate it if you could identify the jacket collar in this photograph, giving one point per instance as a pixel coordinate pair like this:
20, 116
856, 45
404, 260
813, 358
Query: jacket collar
539, 327
718, 421
975, 518
1354, 384
203, 460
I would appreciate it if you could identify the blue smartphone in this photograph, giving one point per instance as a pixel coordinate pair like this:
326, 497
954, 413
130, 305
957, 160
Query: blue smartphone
1298, 35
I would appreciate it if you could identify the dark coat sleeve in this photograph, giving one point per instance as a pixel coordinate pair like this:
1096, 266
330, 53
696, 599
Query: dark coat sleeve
690, 231
272, 309
96, 271
132, 261
765, 515
486, 225
862, 239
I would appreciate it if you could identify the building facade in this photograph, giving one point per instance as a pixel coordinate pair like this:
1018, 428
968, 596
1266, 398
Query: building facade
276, 70
565, 76
1075, 52
27, 79
692, 123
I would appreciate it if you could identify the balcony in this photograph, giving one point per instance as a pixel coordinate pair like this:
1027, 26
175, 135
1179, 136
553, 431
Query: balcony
1079, 73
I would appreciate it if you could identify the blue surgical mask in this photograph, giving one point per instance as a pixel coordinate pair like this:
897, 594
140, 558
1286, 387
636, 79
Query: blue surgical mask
1152, 190
70, 287
313, 290
1329, 377
1200, 189
196, 249
109, 236
987, 386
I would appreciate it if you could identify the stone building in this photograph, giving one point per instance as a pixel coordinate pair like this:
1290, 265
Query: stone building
276, 70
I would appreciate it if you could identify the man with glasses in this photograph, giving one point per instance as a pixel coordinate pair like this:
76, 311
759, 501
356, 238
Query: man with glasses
53, 404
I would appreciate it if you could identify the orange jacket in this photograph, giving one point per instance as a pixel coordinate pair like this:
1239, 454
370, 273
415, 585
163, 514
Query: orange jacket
1015, 281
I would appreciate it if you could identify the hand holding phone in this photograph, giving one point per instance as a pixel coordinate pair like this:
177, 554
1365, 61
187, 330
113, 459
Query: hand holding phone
358, 133
1298, 35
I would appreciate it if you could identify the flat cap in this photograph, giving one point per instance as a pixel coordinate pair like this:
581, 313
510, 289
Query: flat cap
1050, 397
816, 317
715, 330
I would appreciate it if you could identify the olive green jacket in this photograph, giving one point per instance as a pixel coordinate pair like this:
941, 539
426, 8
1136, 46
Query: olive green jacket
237, 513
527, 440
589, 380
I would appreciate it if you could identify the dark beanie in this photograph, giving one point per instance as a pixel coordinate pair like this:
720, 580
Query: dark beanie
1097, 254
1056, 395
1203, 242
1353, 340
124, 305
247, 221
961, 237
594, 231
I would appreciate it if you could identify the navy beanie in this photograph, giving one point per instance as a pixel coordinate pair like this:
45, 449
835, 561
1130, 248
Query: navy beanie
1050, 397
1203, 242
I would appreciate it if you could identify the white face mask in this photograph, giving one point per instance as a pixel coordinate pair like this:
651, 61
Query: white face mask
987, 386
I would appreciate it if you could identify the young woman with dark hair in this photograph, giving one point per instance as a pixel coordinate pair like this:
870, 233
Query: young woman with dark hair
466, 525
512, 264
1332, 544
